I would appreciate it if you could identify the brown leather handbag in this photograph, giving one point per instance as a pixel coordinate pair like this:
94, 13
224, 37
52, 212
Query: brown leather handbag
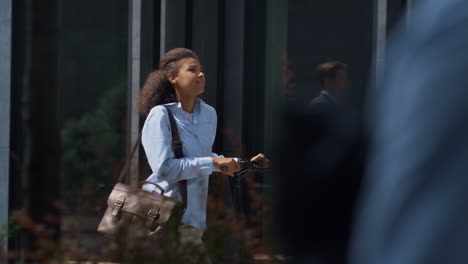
141, 213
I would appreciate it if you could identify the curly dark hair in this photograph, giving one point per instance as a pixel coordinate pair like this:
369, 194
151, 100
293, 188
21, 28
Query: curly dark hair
157, 88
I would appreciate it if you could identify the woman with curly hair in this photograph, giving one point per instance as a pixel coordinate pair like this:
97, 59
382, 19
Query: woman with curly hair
176, 84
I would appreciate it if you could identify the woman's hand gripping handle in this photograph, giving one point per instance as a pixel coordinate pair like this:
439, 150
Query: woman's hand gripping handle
231, 166
227, 166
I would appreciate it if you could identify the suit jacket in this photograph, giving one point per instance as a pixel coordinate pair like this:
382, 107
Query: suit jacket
322, 103
320, 156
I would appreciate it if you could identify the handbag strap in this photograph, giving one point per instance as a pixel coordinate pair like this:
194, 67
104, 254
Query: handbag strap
127, 162
176, 147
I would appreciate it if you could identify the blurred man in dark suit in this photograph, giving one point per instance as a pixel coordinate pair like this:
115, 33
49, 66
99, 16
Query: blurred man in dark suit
321, 154
334, 81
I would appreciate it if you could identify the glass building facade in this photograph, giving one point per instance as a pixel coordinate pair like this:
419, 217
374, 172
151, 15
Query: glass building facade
70, 72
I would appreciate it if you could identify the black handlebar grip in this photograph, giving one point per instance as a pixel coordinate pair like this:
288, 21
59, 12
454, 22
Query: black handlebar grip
224, 168
256, 163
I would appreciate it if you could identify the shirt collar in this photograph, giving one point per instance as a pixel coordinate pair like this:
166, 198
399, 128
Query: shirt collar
196, 110
178, 105
329, 96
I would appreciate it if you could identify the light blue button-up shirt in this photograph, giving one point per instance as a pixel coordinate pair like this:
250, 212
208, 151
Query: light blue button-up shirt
197, 133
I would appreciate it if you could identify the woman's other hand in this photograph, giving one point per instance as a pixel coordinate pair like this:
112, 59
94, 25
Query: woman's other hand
264, 162
231, 164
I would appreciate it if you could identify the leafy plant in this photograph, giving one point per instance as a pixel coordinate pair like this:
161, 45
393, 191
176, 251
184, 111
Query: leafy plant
93, 148
7, 230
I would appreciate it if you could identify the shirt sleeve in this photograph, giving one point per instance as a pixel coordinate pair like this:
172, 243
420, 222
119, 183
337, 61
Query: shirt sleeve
157, 142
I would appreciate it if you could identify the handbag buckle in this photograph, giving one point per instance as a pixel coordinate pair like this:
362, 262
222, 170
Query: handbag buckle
119, 202
118, 206
154, 214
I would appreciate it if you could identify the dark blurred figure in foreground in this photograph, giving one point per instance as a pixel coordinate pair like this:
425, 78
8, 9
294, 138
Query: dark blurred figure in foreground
333, 78
321, 154
414, 207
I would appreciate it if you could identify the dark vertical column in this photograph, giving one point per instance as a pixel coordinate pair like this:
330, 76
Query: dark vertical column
149, 50
156, 45
233, 78
231, 103
173, 25
205, 42
276, 45
41, 142
254, 81
5, 106
135, 40
17, 199
142, 49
